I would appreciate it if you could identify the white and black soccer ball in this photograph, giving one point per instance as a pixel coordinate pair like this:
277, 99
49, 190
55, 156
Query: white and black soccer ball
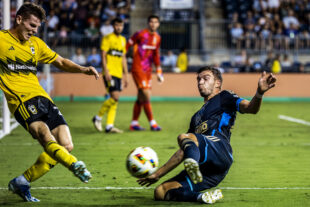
141, 162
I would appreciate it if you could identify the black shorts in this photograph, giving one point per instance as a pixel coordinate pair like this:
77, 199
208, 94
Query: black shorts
114, 85
39, 109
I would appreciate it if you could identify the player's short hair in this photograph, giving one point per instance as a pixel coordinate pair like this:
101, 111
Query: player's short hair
28, 9
216, 73
153, 16
116, 20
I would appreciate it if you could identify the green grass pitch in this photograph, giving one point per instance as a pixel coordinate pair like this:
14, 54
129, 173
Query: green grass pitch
271, 158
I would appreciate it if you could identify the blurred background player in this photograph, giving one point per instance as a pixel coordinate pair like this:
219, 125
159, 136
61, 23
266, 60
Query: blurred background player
114, 64
32, 107
205, 148
145, 52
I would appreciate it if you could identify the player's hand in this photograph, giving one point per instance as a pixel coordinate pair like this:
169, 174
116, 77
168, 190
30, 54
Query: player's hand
149, 180
107, 76
90, 70
266, 82
125, 82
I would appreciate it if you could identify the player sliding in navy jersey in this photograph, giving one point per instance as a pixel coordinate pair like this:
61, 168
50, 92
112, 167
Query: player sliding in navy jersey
205, 148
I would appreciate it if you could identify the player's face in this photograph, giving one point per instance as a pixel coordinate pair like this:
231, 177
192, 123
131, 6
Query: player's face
153, 24
27, 27
206, 83
118, 27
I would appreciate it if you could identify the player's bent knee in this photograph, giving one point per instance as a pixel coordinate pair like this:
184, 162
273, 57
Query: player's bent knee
69, 147
159, 193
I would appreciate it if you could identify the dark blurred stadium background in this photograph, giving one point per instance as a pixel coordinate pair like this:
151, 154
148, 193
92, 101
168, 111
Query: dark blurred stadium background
234, 35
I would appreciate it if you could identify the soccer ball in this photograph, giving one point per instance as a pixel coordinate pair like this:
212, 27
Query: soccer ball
141, 162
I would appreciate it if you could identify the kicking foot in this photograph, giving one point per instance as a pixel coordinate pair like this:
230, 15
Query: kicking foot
155, 127
192, 168
97, 124
79, 170
22, 190
136, 128
114, 130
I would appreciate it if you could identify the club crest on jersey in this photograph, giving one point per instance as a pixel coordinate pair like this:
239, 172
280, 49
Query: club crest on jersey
201, 128
32, 50
32, 109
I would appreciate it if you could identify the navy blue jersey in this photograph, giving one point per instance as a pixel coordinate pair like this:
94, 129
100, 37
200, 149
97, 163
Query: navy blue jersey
217, 116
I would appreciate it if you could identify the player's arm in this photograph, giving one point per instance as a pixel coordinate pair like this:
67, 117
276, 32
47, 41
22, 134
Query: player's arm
69, 66
265, 82
172, 163
125, 70
156, 60
104, 66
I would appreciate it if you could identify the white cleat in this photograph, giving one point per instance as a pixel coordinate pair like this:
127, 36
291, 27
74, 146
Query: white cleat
79, 170
217, 194
192, 168
97, 124
207, 198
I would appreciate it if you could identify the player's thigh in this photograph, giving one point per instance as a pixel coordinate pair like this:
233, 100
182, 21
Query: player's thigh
40, 131
161, 190
63, 136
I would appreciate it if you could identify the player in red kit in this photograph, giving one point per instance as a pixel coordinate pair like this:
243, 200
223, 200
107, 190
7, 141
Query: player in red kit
146, 45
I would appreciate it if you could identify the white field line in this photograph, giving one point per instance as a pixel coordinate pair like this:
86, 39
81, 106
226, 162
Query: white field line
292, 119
146, 188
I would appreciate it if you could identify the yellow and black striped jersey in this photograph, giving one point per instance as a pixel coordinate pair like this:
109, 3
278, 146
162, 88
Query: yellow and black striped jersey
18, 62
115, 47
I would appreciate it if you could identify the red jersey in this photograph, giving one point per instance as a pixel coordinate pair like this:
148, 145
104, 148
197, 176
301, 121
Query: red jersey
145, 51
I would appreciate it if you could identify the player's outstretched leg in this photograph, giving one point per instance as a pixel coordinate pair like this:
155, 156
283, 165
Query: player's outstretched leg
187, 143
60, 154
192, 168
79, 170
21, 187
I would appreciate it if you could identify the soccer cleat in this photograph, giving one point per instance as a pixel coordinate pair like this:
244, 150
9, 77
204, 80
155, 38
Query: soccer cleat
97, 124
207, 198
79, 170
155, 127
114, 130
217, 194
22, 190
136, 128
192, 168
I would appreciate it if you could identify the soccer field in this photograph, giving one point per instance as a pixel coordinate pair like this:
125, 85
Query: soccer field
271, 158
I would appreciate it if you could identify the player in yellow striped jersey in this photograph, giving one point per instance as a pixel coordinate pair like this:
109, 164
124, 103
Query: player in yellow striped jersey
32, 107
114, 66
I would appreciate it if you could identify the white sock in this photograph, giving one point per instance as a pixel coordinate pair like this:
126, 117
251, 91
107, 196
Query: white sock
98, 118
153, 122
134, 122
109, 126
22, 180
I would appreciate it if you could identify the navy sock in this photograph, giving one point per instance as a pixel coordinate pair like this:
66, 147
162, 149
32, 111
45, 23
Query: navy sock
190, 149
181, 194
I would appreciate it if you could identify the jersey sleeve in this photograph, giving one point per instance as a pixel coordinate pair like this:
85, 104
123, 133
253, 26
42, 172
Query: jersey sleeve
230, 101
45, 54
105, 44
157, 53
132, 40
125, 48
